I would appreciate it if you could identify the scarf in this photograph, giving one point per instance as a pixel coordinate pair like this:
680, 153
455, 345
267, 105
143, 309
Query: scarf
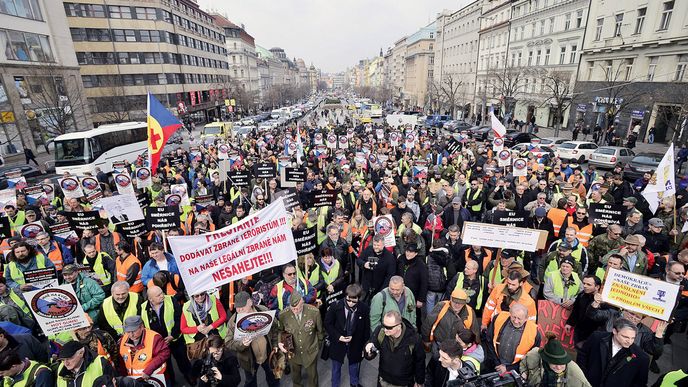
508, 298
201, 311
326, 266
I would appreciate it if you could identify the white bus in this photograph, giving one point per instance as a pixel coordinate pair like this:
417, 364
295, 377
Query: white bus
81, 152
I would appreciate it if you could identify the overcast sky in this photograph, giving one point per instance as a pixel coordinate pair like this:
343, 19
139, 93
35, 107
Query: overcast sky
331, 34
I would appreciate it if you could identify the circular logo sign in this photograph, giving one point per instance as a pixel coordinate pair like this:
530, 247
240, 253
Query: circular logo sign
410, 138
393, 136
535, 141
48, 189
372, 158
332, 138
143, 173
504, 155
173, 200
292, 147
520, 164
318, 136
122, 180
179, 189
30, 231
498, 141
254, 322
69, 184
54, 303
223, 148
343, 140
89, 183
383, 226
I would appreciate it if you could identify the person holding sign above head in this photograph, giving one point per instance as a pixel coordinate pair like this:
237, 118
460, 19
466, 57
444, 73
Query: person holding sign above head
253, 352
291, 283
79, 367
120, 305
24, 258
15, 371
128, 267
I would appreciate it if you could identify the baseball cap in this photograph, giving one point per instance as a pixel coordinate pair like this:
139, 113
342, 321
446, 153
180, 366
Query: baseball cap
540, 212
69, 349
132, 323
656, 222
568, 260
564, 246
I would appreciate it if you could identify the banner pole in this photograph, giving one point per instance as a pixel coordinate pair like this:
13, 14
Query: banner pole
674, 215
164, 240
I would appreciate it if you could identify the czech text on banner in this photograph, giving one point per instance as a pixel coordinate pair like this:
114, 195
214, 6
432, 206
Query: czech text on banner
640, 294
258, 242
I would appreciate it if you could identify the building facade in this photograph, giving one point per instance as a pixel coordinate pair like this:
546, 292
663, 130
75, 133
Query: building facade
493, 44
544, 50
170, 48
456, 54
634, 69
397, 71
419, 66
241, 55
41, 94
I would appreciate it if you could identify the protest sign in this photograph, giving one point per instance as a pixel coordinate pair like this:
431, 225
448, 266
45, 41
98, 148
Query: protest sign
453, 146
122, 208
306, 240
504, 158
132, 229
239, 178
332, 141
41, 278
510, 218
173, 200
323, 198
250, 325
605, 213
491, 235
203, 201
71, 188
143, 199
258, 242
384, 225
143, 178
640, 294
91, 190
289, 196
124, 184
88, 220
410, 141
265, 170
162, 218
8, 197
35, 196
318, 138
334, 297
118, 167
223, 151
343, 142
394, 138
552, 318
63, 233
5, 229
49, 190
30, 230
56, 309
295, 175
16, 180
180, 189
497, 144
520, 167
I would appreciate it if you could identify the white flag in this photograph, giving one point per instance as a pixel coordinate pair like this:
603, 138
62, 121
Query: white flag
662, 184
498, 127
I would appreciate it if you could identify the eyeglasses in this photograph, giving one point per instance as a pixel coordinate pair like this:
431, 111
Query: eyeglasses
616, 233
385, 327
580, 213
352, 300
290, 274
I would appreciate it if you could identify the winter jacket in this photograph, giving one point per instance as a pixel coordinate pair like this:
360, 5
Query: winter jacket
89, 293
533, 367
383, 302
376, 279
415, 274
151, 267
645, 338
404, 363
437, 272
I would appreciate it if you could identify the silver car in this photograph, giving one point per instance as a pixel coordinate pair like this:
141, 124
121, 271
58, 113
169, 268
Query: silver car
610, 156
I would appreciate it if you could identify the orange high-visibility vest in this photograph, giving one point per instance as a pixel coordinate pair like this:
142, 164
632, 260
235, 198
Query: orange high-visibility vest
123, 268
583, 234
55, 256
527, 339
557, 216
486, 258
136, 360
115, 239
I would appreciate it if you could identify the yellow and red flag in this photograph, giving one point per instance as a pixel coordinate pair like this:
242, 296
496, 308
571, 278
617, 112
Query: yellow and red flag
161, 125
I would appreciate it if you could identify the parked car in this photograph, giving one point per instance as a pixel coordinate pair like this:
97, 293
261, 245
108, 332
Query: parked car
28, 171
640, 164
578, 151
610, 156
514, 137
456, 126
536, 149
553, 142
437, 120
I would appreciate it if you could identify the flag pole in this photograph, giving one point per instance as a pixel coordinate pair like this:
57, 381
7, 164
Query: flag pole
674, 216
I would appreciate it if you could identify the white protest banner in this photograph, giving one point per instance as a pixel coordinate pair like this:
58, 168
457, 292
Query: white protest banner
250, 325
492, 235
91, 190
124, 184
49, 190
56, 309
143, 178
343, 142
384, 225
223, 151
71, 188
122, 208
332, 141
640, 294
181, 190
504, 158
662, 184
520, 167
258, 242
497, 144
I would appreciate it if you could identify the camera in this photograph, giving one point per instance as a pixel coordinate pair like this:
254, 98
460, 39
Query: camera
207, 370
373, 261
469, 378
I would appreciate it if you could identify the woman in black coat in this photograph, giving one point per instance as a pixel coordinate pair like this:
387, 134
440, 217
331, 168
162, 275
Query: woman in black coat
347, 336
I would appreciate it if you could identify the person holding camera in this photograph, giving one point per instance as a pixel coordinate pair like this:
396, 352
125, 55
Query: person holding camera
377, 266
402, 358
451, 366
219, 368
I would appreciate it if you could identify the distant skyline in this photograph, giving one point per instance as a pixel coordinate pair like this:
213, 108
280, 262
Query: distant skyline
332, 35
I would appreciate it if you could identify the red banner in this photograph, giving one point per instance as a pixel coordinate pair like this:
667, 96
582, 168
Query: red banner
552, 318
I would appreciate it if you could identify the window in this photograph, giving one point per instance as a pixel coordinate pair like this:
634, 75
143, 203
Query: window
532, 29
640, 20
629, 68
591, 69
130, 35
432, 35
78, 34
652, 67
598, 29
519, 59
25, 46
119, 12
562, 54
547, 51
542, 27
145, 35
681, 67
579, 18
608, 70
667, 9
617, 26
572, 58
537, 57
530, 58
146, 13
567, 21
23, 8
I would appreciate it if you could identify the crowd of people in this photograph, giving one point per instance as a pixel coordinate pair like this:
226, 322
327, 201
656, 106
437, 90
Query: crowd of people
433, 310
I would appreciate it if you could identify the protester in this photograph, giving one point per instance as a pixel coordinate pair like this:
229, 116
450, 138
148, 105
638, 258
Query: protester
551, 365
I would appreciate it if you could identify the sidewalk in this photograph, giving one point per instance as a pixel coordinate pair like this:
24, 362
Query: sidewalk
639, 148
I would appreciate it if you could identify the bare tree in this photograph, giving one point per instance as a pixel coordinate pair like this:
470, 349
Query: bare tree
618, 91
451, 92
557, 89
508, 85
117, 106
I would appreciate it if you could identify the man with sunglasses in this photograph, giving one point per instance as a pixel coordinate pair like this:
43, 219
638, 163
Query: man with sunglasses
602, 244
290, 284
346, 323
580, 222
402, 358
